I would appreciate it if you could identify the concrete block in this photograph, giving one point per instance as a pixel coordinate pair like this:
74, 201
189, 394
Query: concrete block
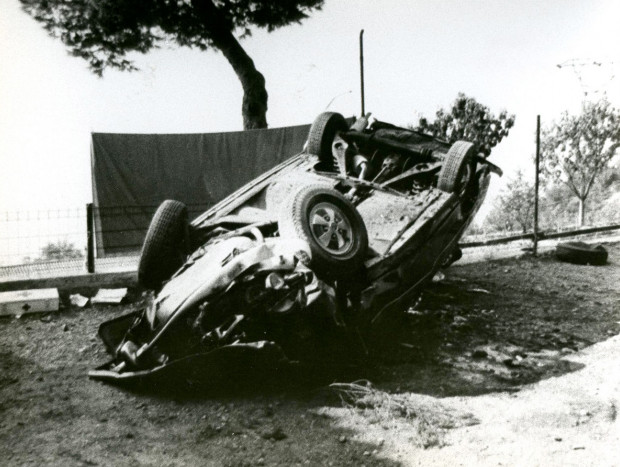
20, 302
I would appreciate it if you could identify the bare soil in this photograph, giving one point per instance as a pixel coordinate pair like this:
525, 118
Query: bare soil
493, 362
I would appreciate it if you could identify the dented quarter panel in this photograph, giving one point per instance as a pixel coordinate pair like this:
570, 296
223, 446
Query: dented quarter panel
388, 216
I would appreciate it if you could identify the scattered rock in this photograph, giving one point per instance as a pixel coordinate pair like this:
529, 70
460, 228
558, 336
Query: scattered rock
65, 327
413, 312
276, 434
558, 439
268, 411
78, 300
342, 439
509, 362
439, 276
109, 296
459, 320
479, 354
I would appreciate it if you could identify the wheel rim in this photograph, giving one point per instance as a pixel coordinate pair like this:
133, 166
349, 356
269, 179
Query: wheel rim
331, 229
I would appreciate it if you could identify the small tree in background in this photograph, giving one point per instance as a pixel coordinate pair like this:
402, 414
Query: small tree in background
469, 120
560, 206
103, 32
576, 149
59, 250
514, 207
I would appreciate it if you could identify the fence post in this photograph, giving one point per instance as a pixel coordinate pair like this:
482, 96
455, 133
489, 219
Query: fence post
535, 249
90, 239
362, 72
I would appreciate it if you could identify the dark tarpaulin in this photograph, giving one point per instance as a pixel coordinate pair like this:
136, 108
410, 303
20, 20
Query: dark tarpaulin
132, 174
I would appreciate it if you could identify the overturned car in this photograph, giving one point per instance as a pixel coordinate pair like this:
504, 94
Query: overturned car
318, 250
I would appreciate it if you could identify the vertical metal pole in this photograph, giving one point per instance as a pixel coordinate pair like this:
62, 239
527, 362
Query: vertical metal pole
536, 185
362, 70
90, 239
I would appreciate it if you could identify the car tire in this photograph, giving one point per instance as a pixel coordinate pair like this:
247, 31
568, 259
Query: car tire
581, 253
458, 167
321, 137
165, 246
332, 227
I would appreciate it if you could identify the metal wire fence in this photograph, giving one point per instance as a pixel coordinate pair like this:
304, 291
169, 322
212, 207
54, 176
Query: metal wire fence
42, 235
554, 216
120, 230
65, 241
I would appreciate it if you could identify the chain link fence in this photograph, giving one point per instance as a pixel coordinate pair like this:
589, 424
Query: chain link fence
71, 241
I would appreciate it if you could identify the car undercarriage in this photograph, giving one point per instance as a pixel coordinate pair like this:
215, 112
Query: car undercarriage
318, 251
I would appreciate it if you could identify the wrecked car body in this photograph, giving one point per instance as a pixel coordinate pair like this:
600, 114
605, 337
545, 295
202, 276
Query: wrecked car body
319, 249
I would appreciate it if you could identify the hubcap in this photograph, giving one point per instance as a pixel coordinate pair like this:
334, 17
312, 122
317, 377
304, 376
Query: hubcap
331, 229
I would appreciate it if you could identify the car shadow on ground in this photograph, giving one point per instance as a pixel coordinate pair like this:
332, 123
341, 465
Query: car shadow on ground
463, 338
483, 328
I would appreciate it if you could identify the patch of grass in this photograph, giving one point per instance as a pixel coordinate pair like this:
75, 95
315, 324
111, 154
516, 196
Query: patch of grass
426, 416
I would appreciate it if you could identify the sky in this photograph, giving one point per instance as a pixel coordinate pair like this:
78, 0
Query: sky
418, 56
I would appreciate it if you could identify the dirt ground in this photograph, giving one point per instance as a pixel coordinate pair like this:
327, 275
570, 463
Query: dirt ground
508, 362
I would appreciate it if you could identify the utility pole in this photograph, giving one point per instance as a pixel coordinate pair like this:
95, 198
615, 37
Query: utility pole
535, 250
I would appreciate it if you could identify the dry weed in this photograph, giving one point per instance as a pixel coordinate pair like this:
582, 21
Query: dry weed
428, 418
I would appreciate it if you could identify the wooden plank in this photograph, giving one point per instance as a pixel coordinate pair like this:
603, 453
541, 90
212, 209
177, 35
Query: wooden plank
110, 279
541, 236
20, 302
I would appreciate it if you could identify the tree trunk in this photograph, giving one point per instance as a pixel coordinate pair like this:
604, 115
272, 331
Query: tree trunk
254, 106
582, 212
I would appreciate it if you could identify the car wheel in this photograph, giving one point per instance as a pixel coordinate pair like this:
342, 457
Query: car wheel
458, 167
165, 246
332, 227
321, 136
581, 253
